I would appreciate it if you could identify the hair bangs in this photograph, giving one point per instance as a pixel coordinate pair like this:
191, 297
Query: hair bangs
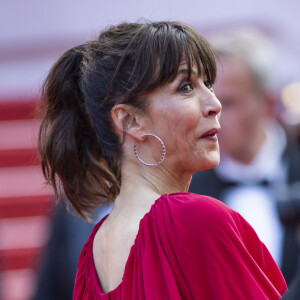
198, 53
153, 57
165, 49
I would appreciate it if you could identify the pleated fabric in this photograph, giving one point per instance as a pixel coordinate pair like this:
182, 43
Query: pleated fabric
188, 247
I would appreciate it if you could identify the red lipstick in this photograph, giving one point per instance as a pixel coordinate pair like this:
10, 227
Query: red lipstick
211, 134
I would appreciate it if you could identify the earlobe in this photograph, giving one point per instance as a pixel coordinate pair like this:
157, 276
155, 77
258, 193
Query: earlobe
126, 121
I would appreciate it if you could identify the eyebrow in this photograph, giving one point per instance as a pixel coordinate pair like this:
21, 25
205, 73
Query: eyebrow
186, 71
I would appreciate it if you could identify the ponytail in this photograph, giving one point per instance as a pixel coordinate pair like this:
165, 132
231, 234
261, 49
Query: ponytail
68, 144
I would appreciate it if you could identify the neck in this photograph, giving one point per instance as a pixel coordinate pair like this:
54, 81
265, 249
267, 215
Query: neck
142, 185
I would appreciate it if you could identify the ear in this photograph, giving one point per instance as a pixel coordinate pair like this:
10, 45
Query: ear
126, 119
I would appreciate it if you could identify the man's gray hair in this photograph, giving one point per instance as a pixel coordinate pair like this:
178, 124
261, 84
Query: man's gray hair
254, 48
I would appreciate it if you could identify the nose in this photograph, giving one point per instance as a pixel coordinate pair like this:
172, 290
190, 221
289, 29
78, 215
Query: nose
213, 106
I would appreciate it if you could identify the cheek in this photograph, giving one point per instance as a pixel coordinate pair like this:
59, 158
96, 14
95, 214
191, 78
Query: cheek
177, 124
180, 121
189, 115
181, 130
179, 135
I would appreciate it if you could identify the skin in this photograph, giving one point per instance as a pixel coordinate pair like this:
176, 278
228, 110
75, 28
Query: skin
180, 113
245, 109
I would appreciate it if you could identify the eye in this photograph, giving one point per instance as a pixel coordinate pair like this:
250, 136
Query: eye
208, 85
186, 87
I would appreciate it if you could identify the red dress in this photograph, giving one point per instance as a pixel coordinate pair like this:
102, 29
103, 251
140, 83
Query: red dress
188, 247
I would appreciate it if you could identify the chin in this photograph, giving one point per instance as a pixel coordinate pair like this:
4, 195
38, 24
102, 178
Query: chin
212, 159
208, 164
212, 165
205, 161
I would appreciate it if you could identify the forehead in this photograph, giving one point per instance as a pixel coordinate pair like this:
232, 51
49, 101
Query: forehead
234, 70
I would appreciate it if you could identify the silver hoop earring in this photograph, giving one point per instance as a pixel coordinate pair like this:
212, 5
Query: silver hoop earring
163, 151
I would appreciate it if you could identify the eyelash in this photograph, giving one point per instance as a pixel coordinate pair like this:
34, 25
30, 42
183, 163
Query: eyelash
208, 85
185, 84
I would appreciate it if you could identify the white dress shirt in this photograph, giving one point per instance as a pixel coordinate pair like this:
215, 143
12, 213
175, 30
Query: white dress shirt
253, 200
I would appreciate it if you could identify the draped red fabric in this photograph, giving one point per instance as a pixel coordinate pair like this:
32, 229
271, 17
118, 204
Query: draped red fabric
188, 247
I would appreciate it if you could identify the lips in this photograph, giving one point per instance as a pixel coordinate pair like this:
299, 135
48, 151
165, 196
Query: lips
210, 133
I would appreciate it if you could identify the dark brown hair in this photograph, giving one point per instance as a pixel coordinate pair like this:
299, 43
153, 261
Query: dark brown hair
78, 146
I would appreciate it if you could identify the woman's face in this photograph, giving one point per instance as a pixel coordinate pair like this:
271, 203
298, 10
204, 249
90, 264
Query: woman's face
185, 115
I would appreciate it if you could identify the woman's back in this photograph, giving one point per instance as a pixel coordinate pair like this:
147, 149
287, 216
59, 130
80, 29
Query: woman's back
113, 241
111, 248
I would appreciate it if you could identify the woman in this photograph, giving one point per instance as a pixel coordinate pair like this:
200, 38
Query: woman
129, 118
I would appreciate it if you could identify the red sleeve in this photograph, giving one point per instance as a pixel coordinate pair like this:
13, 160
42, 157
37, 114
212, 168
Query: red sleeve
218, 253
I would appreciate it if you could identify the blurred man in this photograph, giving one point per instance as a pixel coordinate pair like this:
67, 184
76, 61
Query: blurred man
256, 154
